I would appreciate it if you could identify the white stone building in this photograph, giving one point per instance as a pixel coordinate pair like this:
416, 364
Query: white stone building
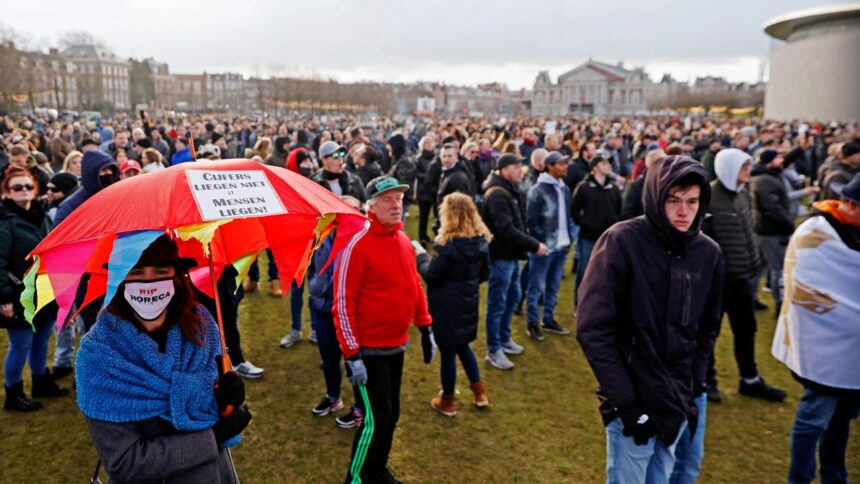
592, 88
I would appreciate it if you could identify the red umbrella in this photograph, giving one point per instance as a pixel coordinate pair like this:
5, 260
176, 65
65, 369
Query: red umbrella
217, 211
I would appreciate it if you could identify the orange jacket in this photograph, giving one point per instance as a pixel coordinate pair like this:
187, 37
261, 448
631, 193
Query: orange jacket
377, 290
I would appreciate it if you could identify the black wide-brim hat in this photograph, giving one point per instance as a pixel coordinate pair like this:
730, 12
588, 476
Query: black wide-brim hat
164, 252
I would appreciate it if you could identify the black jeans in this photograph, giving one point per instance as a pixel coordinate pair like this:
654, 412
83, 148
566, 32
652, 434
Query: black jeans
739, 304
424, 209
381, 401
230, 296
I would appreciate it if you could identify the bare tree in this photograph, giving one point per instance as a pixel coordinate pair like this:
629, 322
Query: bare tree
79, 37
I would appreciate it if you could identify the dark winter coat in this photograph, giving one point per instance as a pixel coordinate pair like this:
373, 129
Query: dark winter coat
130, 450
595, 207
772, 215
577, 170
368, 172
428, 188
453, 276
650, 307
20, 233
92, 162
836, 178
405, 171
349, 183
632, 206
456, 179
503, 211
730, 225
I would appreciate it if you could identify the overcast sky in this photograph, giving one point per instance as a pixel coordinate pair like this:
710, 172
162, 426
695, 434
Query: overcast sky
459, 42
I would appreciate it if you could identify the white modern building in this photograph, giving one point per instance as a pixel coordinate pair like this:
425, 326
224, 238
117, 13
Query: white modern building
815, 68
592, 88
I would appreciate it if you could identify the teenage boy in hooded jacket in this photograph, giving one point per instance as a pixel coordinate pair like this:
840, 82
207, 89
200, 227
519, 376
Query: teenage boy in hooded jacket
648, 315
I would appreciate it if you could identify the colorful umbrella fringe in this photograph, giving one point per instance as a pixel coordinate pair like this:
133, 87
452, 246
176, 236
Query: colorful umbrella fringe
56, 274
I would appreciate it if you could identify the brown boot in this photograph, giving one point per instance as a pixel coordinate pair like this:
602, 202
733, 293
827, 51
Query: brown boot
275, 288
480, 400
250, 285
445, 404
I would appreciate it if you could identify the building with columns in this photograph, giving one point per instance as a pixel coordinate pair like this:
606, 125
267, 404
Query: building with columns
593, 88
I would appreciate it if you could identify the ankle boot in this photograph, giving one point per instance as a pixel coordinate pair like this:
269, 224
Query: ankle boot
480, 400
275, 288
445, 404
44, 387
17, 400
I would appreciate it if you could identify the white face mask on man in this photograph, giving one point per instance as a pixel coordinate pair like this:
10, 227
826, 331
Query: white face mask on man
149, 298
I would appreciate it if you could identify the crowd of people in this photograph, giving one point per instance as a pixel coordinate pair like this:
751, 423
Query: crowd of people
670, 222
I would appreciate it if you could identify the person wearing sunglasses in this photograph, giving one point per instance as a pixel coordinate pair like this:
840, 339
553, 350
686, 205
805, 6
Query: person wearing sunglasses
333, 177
23, 224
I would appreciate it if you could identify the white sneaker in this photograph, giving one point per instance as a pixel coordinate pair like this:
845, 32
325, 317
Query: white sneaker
499, 360
247, 370
512, 348
313, 337
291, 338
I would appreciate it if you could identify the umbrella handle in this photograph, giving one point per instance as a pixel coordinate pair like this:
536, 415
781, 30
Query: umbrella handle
226, 365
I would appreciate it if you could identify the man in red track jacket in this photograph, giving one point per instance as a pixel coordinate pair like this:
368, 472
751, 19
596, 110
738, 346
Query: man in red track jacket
377, 294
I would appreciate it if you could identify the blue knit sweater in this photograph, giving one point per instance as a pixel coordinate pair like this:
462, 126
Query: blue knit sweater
122, 377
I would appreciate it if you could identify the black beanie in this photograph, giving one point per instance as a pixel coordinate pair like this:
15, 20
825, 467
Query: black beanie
398, 145
766, 156
507, 160
144, 143
65, 181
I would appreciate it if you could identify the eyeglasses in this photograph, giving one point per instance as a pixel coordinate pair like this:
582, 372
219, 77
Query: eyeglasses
55, 189
20, 188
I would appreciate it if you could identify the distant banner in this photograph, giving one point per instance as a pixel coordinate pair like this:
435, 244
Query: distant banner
233, 194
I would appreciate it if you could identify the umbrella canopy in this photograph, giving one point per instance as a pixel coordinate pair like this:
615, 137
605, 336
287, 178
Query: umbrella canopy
219, 212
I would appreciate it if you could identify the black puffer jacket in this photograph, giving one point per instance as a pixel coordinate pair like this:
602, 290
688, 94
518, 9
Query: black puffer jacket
453, 278
730, 225
428, 187
772, 214
595, 207
503, 211
650, 307
349, 183
456, 179
20, 232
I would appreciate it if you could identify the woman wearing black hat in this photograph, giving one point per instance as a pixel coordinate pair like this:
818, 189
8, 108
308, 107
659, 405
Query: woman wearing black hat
60, 186
146, 379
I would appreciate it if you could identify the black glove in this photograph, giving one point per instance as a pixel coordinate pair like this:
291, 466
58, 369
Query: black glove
232, 425
637, 423
230, 389
428, 343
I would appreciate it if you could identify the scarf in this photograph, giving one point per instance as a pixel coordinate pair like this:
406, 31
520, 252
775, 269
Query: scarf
122, 377
35, 216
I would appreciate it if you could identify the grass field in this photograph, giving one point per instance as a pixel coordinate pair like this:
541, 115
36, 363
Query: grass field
542, 424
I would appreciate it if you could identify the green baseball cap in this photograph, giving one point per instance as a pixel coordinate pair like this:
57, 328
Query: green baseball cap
383, 184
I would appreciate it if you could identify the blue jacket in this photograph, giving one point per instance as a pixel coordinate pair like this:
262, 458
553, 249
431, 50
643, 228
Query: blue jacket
542, 211
321, 286
92, 162
181, 156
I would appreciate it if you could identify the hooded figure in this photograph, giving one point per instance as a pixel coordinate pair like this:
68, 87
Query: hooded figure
649, 311
403, 167
279, 152
91, 182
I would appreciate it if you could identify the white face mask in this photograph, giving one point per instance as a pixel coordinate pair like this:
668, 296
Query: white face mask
149, 298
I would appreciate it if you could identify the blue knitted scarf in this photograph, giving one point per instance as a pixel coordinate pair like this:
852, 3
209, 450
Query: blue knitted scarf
122, 377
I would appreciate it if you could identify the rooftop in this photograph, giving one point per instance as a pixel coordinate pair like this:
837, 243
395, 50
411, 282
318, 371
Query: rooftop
782, 26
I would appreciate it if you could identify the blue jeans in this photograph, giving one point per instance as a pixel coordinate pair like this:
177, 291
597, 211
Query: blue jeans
690, 452
448, 362
826, 419
64, 350
628, 463
254, 270
503, 295
583, 255
544, 277
329, 349
24, 344
296, 303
